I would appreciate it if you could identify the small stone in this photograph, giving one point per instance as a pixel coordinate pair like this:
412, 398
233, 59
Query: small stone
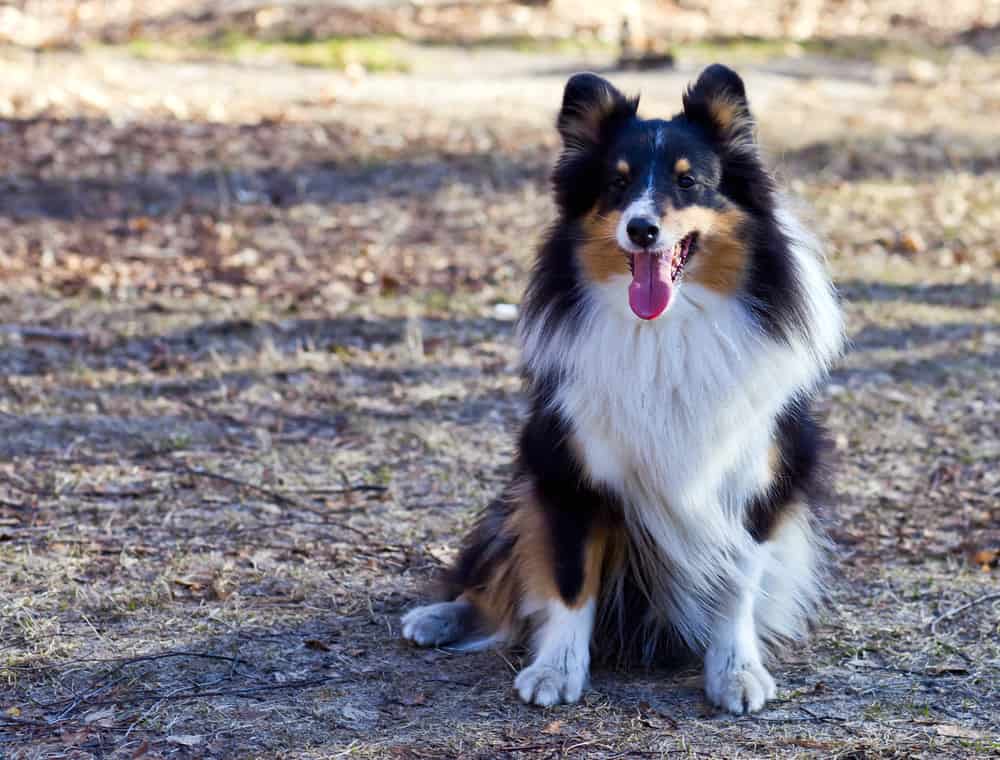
505, 312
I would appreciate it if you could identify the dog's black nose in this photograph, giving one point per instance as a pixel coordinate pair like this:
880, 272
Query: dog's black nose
642, 232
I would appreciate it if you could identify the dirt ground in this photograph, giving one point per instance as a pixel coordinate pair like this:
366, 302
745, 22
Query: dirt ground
258, 374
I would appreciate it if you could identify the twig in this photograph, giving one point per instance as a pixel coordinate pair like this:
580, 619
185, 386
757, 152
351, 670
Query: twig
334, 491
527, 747
821, 718
832, 719
123, 661
962, 608
214, 413
33, 489
136, 493
55, 335
275, 496
173, 697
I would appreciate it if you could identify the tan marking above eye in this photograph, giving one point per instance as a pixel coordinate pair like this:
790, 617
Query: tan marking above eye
622, 166
683, 166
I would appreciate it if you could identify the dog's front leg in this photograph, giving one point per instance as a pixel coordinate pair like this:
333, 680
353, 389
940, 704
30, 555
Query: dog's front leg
565, 614
735, 677
561, 665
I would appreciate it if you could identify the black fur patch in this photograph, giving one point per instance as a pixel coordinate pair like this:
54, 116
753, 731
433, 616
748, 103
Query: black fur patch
801, 442
569, 503
579, 173
773, 292
555, 283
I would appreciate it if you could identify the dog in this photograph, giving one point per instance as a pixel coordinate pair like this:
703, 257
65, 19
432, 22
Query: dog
666, 491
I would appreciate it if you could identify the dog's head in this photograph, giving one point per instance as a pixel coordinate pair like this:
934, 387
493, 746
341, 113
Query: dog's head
660, 203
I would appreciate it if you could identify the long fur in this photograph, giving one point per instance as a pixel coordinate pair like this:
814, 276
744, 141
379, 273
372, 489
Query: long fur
669, 466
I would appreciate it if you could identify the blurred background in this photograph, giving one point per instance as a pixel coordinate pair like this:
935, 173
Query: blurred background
126, 111
260, 261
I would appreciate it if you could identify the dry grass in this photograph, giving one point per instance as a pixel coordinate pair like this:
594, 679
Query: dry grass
255, 383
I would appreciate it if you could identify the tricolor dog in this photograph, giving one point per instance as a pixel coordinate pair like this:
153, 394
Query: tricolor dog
677, 323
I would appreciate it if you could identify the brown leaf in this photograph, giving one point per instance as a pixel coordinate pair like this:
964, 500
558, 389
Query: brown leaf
986, 558
73, 738
317, 644
554, 727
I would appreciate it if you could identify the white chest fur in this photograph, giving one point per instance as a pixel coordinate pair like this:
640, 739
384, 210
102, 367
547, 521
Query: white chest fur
677, 415
679, 412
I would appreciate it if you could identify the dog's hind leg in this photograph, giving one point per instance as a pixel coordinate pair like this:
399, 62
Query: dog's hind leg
480, 589
435, 625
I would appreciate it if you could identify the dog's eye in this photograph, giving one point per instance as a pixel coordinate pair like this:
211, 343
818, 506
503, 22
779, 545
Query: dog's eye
620, 182
686, 181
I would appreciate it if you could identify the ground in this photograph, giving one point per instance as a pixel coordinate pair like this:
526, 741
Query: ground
259, 375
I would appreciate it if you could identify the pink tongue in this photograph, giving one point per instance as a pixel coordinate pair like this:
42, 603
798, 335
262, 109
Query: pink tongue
649, 293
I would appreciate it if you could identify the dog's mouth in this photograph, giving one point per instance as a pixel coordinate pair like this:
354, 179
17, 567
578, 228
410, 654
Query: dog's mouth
654, 273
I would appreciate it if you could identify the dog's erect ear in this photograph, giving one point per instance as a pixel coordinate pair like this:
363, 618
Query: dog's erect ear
589, 105
718, 101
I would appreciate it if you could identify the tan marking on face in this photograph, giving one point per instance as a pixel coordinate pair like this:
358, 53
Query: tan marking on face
679, 222
683, 166
622, 166
599, 254
721, 259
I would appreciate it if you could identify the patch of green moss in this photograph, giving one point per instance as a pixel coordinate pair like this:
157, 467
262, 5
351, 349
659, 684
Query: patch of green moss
371, 53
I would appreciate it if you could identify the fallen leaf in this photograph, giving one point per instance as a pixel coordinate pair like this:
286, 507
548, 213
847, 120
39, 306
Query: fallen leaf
958, 732
186, 740
317, 644
986, 558
73, 738
911, 242
101, 718
555, 727
14, 712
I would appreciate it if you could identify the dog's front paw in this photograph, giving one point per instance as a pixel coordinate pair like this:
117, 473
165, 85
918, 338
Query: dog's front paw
545, 685
735, 684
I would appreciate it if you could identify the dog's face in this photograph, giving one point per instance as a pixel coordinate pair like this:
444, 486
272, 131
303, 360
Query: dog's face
660, 203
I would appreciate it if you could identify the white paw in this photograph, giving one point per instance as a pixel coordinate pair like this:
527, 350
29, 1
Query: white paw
545, 685
436, 624
739, 685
